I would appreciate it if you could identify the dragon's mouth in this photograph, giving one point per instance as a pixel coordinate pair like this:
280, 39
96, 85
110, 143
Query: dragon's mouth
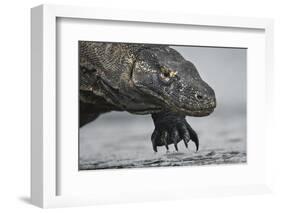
185, 112
199, 113
193, 112
196, 110
165, 104
146, 111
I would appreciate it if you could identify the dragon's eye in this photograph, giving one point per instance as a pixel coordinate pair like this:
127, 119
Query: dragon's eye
165, 77
167, 74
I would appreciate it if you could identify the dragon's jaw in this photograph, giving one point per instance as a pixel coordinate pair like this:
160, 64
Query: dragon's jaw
155, 103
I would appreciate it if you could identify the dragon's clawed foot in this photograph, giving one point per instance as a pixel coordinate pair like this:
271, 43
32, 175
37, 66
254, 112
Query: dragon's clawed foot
171, 128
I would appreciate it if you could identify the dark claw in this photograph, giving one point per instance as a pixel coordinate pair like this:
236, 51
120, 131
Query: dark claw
164, 139
184, 134
153, 139
193, 136
154, 148
153, 136
175, 138
176, 147
185, 142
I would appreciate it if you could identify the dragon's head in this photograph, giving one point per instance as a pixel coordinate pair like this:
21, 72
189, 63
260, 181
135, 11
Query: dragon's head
169, 82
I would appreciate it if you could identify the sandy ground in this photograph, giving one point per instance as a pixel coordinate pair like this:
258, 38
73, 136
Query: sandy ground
122, 140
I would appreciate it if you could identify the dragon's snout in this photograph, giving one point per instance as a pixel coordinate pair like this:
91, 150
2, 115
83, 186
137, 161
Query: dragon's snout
198, 99
207, 100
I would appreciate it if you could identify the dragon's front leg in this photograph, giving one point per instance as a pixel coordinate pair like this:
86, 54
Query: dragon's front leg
171, 128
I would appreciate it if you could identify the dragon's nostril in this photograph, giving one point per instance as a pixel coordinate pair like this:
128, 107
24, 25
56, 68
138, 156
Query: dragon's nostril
198, 97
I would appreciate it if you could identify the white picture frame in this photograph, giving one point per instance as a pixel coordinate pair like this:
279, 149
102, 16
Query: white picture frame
45, 168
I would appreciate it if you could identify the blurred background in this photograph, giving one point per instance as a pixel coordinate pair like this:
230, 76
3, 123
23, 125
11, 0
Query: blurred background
122, 140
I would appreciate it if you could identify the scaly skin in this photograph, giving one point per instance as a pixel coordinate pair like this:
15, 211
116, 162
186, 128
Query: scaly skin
143, 79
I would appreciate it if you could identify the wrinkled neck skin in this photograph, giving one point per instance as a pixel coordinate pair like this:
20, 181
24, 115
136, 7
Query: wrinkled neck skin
131, 99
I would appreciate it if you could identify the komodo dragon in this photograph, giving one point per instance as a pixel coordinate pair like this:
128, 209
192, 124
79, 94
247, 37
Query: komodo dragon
143, 79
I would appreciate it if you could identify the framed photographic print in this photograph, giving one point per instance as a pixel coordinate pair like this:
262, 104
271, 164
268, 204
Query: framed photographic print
130, 106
